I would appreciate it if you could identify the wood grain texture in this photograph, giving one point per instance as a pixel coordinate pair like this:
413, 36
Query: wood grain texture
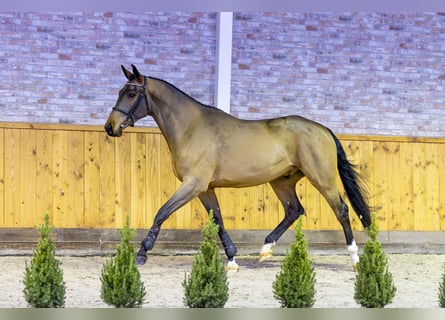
85, 179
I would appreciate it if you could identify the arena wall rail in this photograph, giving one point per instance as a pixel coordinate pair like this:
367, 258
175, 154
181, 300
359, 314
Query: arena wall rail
88, 183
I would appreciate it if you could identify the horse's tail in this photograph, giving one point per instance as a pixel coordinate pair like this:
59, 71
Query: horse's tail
353, 184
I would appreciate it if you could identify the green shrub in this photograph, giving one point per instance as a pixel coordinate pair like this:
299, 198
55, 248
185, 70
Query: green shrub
121, 281
374, 287
294, 285
43, 279
442, 290
207, 286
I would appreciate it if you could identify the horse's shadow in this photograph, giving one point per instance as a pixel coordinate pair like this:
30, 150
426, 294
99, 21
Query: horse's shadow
253, 263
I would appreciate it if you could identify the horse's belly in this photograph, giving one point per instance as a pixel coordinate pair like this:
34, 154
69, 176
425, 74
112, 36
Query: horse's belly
250, 176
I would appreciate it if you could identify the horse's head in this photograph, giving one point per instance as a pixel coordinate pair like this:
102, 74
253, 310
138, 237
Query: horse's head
131, 105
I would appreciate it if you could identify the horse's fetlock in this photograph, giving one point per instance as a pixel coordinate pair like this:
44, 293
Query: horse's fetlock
147, 244
230, 251
149, 241
228, 245
270, 239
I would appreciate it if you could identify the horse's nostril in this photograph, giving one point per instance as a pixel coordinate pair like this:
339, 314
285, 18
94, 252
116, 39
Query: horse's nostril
109, 129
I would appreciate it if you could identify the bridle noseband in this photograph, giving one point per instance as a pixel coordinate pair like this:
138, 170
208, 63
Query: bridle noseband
134, 107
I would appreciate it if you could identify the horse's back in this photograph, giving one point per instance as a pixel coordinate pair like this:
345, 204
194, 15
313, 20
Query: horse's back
296, 124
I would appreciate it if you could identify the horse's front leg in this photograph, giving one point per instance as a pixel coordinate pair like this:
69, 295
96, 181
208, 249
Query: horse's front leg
188, 190
230, 250
210, 202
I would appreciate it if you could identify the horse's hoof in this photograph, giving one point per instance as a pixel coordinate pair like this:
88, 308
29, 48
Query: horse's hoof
140, 260
353, 251
354, 261
232, 266
264, 256
266, 251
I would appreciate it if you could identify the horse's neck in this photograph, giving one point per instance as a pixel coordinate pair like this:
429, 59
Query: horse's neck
174, 113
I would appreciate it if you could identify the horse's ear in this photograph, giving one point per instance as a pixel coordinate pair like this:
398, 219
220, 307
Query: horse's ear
127, 73
136, 74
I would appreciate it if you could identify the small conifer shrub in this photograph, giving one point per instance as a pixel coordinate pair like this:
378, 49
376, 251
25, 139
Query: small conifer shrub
43, 279
207, 285
294, 285
442, 290
121, 281
374, 287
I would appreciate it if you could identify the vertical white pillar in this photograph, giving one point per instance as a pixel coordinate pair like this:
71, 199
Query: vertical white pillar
224, 22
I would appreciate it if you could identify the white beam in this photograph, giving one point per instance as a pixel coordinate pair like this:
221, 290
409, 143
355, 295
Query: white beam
224, 22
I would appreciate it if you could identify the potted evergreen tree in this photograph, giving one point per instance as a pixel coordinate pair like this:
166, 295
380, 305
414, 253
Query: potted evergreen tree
374, 287
43, 279
121, 281
207, 285
294, 285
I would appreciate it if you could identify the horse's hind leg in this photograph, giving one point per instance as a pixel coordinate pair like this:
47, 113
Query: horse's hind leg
284, 188
328, 188
321, 170
210, 202
341, 211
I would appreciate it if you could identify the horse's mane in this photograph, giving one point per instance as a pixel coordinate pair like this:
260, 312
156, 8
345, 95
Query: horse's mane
177, 89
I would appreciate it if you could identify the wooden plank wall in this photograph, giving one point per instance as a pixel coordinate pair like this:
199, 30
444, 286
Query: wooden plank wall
85, 179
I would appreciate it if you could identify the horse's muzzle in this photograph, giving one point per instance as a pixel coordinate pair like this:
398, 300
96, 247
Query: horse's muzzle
111, 132
109, 129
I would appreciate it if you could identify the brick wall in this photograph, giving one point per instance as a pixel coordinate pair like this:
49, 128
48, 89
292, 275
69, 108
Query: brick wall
65, 67
364, 73
380, 74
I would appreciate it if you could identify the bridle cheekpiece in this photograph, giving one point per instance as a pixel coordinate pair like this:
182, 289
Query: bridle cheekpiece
134, 107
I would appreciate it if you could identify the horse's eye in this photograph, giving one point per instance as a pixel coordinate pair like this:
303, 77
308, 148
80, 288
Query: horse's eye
131, 95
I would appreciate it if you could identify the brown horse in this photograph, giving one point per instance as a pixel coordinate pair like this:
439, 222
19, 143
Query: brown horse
212, 149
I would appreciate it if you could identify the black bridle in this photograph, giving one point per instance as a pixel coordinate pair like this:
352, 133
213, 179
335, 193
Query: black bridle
134, 107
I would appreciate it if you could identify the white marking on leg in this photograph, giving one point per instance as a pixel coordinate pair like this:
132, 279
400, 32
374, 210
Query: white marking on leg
232, 266
266, 251
353, 252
